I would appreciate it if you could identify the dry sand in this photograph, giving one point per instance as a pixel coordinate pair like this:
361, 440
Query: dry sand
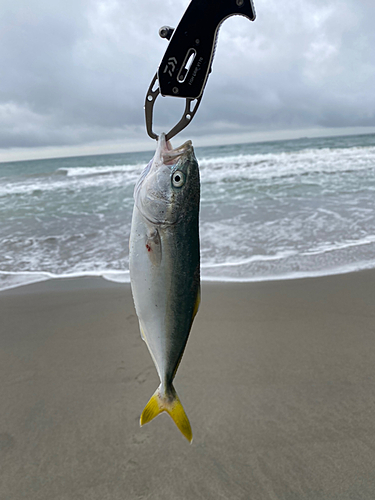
278, 380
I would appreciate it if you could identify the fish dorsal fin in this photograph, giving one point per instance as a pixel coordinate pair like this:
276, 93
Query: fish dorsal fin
153, 246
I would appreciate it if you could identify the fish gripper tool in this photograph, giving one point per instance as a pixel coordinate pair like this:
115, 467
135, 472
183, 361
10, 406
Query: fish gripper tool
187, 62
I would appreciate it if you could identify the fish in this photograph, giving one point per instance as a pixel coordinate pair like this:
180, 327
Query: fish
164, 265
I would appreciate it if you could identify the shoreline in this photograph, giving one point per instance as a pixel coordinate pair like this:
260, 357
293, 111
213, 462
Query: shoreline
297, 275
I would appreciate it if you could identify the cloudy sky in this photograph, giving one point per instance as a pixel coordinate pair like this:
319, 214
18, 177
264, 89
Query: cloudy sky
74, 74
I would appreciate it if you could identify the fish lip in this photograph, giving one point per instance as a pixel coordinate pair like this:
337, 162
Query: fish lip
167, 155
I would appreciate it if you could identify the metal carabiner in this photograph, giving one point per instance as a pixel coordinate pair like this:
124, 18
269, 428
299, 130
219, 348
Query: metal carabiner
187, 62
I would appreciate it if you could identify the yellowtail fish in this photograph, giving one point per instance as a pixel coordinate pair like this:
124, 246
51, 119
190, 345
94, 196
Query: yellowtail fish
165, 267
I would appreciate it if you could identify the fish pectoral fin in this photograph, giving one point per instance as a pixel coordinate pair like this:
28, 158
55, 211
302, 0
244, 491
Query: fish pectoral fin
170, 403
153, 246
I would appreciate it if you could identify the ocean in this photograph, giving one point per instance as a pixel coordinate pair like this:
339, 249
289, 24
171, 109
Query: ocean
270, 210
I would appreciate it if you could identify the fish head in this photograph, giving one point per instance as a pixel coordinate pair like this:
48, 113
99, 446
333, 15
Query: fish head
169, 186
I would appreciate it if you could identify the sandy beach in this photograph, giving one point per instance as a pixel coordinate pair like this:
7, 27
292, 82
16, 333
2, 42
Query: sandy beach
277, 380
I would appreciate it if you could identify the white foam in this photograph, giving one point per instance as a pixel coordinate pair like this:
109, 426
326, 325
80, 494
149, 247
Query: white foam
14, 280
325, 248
333, 271
73, 181
9, 280
274, 165
249, 260
117, 276
101, 170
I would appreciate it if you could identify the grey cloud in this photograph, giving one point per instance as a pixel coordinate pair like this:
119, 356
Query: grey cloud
77, 71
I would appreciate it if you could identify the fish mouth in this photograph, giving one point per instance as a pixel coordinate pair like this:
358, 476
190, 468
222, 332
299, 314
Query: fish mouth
169, 156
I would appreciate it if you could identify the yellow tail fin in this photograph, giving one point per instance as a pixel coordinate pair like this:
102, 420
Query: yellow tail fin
170, 403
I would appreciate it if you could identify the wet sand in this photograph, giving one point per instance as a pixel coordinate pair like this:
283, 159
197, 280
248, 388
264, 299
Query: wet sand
278, 380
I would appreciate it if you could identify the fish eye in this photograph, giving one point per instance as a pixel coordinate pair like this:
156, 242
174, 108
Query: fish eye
178, 178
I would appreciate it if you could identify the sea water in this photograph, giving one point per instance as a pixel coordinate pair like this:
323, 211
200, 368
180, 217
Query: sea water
271, 210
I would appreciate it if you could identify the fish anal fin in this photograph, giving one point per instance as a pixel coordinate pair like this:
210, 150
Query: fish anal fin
159, 402
142, 332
